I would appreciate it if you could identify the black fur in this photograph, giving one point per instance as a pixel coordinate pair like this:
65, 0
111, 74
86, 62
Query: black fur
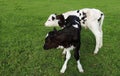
61, 19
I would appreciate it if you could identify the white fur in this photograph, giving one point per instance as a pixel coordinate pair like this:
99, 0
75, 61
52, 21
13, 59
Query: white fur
68, 55
76, 26
91, 22
79, 66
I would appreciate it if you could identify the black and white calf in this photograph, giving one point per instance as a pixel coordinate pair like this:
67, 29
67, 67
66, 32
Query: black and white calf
68, 38
89, 18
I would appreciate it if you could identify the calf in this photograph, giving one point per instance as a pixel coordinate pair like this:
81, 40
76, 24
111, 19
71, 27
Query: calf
68, 38
89, 18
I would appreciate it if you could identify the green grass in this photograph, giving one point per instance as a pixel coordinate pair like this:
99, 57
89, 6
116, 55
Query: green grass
22, 34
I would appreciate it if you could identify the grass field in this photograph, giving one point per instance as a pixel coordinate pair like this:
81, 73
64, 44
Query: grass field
22, 34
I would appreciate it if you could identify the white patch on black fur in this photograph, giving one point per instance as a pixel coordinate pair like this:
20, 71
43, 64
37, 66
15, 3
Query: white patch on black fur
60, 47
76, 26
46, 35
76, 21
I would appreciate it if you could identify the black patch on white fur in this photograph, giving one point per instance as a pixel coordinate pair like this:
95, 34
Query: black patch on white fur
77, 11
84, 17
80, 14
53, 18
100, 18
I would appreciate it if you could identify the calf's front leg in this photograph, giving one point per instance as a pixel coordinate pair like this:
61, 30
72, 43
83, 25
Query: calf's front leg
68, 55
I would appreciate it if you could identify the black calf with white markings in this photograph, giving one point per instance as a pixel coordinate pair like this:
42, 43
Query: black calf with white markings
68, 38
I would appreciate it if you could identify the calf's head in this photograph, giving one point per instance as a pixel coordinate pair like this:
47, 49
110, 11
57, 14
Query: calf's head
51, 21
55, 20
50, 40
